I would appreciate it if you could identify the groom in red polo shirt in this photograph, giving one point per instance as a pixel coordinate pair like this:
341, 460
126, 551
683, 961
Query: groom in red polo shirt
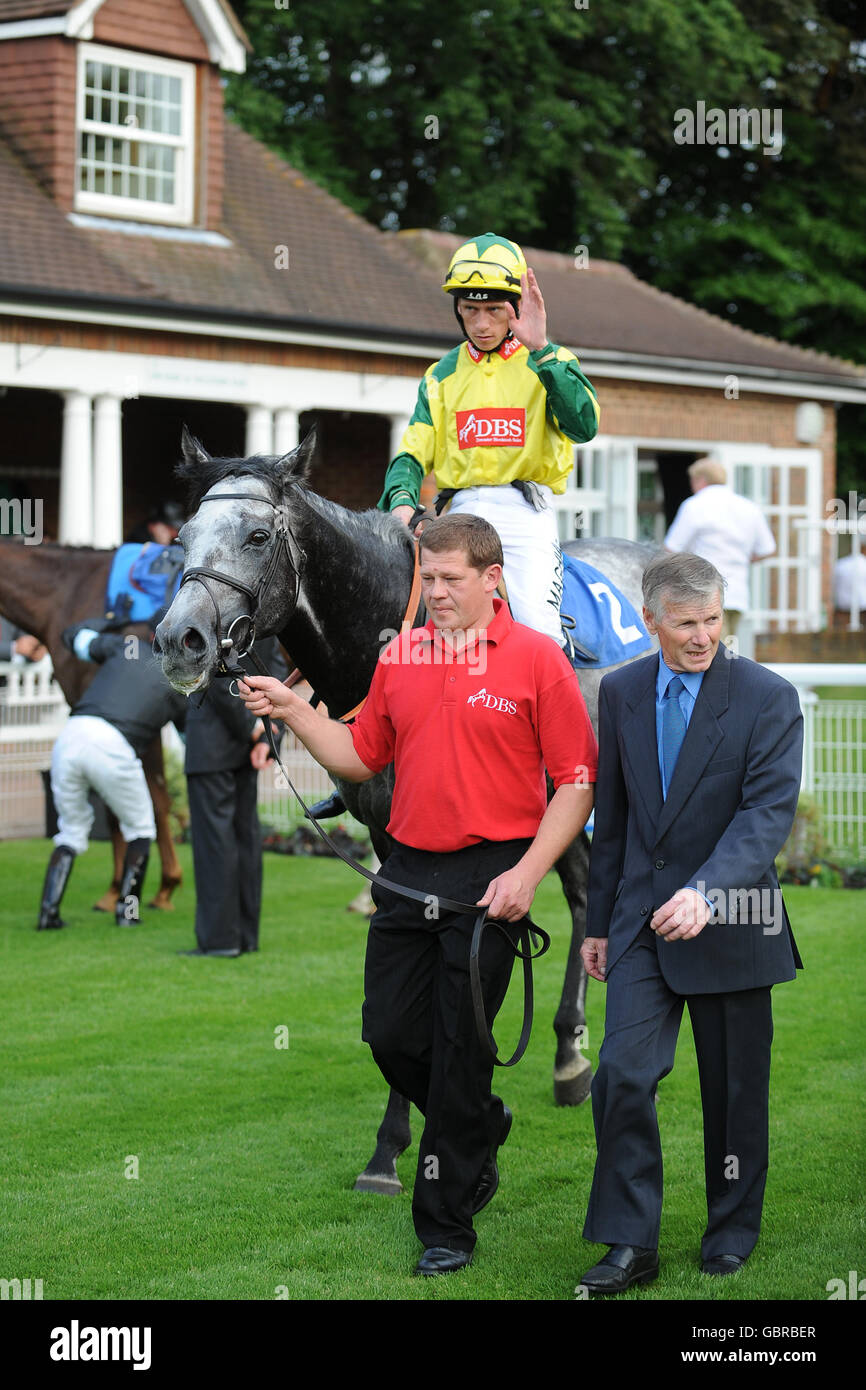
471, 709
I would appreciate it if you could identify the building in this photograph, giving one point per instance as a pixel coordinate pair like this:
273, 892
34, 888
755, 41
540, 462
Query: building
159, 266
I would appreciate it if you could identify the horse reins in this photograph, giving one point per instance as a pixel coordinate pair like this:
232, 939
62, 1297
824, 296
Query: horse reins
283, 542
527, 929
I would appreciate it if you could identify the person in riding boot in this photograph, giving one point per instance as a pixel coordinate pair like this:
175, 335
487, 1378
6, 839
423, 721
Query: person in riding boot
101, 746
497, 418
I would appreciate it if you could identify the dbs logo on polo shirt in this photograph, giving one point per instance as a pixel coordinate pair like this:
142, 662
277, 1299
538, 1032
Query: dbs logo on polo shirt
487, 701
491, 426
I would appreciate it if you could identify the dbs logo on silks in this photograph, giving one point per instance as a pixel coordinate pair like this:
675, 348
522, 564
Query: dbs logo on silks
491, 426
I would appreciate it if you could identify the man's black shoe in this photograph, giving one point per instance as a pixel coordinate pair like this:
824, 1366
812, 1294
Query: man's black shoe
440, 1260
489, 1180
231, 952
723, 1264
622, 1266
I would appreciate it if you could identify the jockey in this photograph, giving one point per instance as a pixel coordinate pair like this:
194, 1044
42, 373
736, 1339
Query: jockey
496, 419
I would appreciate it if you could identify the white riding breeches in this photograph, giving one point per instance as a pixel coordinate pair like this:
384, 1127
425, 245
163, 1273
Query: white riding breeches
90, 752
530, 545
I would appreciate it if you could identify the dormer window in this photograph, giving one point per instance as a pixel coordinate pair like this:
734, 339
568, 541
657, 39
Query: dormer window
136, 118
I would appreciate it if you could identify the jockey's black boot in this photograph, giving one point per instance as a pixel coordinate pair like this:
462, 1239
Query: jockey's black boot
56, 878
333, 805
126, 912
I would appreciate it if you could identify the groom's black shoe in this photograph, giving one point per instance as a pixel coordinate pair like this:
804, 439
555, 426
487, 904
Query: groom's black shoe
622, 1266
489, 1180
439, 1259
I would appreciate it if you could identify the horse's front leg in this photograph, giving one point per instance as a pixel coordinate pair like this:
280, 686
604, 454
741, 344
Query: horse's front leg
393, 1138
572, 1071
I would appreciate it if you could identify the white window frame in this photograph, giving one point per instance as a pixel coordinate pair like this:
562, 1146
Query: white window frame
178, 213
600, 497
749, 468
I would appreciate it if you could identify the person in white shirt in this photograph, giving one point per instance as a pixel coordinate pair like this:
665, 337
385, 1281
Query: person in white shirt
849, 584
728, 530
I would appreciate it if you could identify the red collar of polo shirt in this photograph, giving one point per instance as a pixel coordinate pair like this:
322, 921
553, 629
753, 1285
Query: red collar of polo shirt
496, 632
506, 349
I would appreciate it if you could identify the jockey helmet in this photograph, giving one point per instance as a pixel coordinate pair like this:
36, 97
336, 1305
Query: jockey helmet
488, 268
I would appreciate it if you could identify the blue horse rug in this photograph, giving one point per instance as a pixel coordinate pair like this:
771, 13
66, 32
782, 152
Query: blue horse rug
598, 617
143, 579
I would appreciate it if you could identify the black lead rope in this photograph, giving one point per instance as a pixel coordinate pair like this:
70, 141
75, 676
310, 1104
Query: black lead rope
528, 931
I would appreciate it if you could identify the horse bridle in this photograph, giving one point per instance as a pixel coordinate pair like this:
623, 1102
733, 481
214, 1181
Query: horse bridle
232, 668
283, 543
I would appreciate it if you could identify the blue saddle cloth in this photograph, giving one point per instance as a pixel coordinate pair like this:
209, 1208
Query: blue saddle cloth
143, 579
599, 617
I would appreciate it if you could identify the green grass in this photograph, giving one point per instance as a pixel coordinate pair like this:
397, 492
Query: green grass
114, 1049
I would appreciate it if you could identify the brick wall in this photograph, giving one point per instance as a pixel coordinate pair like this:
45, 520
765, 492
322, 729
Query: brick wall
154, 26
651, 411
37, 109
211, 142
38, 96
155, 344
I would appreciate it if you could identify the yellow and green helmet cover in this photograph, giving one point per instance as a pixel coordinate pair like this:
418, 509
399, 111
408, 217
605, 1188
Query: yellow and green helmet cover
488, 267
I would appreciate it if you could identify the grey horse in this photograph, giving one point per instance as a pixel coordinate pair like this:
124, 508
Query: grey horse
334, 585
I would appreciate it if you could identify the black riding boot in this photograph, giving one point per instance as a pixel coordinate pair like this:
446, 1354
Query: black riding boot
56, 878
333, 805
126, 912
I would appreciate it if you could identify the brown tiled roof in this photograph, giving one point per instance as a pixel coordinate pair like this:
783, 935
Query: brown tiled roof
43, 9
343, 274
603, 306
341, 270
33, 9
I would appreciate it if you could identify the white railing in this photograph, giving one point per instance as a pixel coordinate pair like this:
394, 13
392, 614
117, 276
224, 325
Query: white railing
32, 713
834, 752
278, 807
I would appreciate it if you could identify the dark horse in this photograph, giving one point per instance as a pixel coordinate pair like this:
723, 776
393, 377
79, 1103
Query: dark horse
334, 585
44, 589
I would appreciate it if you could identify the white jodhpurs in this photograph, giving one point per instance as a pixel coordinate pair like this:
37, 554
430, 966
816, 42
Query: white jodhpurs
90, 752
530, 545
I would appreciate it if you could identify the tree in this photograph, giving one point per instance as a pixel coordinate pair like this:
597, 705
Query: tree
557, 125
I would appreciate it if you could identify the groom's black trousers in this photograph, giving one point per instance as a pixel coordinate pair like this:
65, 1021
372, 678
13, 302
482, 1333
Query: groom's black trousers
419, 1022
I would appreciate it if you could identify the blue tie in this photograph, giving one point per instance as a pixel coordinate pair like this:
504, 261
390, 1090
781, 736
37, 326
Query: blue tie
673, 729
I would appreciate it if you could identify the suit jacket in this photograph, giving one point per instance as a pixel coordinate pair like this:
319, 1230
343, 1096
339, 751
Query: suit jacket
729, 810
219, 727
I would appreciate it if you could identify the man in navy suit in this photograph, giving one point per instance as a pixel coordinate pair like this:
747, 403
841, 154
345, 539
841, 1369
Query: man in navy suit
698, 777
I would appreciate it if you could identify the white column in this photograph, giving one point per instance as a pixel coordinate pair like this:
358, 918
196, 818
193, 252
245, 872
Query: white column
260, 430
107, 472
399, 425
76, 472
285, 431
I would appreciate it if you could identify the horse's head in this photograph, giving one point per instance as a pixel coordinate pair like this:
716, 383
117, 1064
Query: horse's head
241, 560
